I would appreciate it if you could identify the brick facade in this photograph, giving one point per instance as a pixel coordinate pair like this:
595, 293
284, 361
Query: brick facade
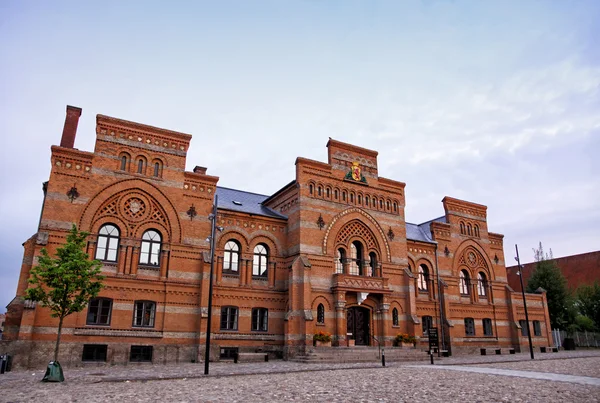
338, 256
578, 270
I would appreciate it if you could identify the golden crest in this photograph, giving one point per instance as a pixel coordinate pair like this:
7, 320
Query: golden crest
355, 173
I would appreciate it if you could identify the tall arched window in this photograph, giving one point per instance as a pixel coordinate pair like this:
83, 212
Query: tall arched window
476, 229
372, 264
141, 165
339, 260
464, 282
310, 189
395, 317
462, 227
261, 260
157, 169
367, 201
125, 158
351, 197
231, 257
481, 284
356, 258
321, 314
335, 194
150, 252
423, 279
469, 229
108, 243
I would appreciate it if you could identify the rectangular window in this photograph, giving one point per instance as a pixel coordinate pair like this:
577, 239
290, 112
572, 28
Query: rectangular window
94, 352
469, 327
427, 324
143, 313
524, 328
229, 318
487, 327
537, 329
99, 311
260, 319
141, 354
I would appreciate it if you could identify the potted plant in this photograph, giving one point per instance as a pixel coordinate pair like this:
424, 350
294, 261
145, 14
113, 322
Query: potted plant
322, 339
404, 340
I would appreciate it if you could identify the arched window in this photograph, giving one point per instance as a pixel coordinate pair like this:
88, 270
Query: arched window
108, 243
335, 194
150, 252
462, 227
359, 199
231, 257
351, 197
356, 258
344, 195
141, 165
261, 260
395, 317
469, 229
372, 264
328, 193
381, 204
321, 314
476, 229
481, 284
423, 279
310, 189
464, 282
395, 207
319, 191
387, 204
125, 158
157, 169
339, 260
367, 201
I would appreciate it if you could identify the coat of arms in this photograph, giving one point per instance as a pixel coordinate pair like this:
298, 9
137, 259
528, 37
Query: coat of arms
355, 173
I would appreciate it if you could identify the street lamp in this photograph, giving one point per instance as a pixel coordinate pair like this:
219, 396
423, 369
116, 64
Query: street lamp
213, 228
520, 274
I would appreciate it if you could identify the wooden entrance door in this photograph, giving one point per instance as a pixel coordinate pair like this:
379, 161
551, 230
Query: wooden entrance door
358, 320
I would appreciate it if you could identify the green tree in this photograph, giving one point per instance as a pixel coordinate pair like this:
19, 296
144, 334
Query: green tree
587, 298
65, 283
548, 276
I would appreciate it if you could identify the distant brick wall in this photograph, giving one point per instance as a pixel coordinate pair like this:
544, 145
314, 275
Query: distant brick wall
577, 269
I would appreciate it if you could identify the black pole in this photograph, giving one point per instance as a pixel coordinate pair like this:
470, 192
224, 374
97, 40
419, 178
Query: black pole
383, 358
440, 292
213, 219
524, 301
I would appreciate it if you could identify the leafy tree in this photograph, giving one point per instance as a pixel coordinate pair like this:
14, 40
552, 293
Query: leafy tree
548, 276
65, 283
588, 302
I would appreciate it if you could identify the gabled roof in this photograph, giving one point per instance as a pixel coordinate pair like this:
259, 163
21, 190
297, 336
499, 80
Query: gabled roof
422, 232
245, 202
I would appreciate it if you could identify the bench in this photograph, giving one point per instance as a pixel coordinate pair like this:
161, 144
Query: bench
548, 349
497, 350
252, 357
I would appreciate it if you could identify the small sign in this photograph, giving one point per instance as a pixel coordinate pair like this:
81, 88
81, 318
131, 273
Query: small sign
433, 338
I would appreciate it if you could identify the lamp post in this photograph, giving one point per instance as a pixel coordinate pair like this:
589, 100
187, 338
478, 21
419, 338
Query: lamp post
213, 219
520, 273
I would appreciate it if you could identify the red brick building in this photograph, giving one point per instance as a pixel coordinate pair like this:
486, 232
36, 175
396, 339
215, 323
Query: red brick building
578, 270
329, 251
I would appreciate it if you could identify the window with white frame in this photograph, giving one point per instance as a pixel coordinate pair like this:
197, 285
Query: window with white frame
423, 278
260, 262
464, 283
482, 284
231, 257
229, 318
108, 243
150, 252
260, 319
144, 313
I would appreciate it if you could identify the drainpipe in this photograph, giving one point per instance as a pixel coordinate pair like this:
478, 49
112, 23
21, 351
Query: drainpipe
440, 294
45, 190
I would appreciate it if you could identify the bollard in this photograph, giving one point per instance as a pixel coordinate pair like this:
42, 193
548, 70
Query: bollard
383, 358
431, 355
266, 357
235, 358
2, 364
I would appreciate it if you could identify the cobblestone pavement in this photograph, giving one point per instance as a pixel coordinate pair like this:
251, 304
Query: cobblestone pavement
288, 381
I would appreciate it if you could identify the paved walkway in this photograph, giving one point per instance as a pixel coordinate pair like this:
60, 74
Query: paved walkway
584, 380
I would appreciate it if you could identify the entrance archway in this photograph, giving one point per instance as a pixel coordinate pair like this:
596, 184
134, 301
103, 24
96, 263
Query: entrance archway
358, 324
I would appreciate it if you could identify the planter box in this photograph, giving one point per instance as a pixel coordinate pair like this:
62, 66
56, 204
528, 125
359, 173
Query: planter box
351, 342
322, 343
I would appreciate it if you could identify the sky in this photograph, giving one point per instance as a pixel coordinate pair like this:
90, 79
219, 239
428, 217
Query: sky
494, 102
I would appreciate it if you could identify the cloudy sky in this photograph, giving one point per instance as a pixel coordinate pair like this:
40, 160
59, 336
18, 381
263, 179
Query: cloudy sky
495, 102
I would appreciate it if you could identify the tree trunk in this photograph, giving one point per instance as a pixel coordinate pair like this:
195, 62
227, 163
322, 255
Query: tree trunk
60, 322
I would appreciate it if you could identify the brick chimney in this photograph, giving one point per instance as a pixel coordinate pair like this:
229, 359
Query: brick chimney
200, 170
70, 129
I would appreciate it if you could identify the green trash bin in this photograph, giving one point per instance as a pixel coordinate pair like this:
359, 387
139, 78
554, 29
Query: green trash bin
54, 372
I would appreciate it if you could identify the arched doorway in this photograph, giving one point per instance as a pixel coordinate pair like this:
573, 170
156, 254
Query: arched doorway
358, 324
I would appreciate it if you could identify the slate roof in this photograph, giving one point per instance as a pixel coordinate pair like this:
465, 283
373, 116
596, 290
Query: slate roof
245, 202
422, 232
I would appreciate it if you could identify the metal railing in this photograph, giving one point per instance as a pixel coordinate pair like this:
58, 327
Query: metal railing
378, 345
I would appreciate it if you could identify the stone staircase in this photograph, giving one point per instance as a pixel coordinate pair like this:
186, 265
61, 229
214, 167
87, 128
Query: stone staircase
360, 354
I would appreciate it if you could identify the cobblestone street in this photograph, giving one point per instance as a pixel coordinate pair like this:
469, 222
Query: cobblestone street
288, 381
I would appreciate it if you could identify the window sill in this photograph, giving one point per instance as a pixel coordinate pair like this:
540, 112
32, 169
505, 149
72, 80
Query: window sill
320, 324
148, 267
